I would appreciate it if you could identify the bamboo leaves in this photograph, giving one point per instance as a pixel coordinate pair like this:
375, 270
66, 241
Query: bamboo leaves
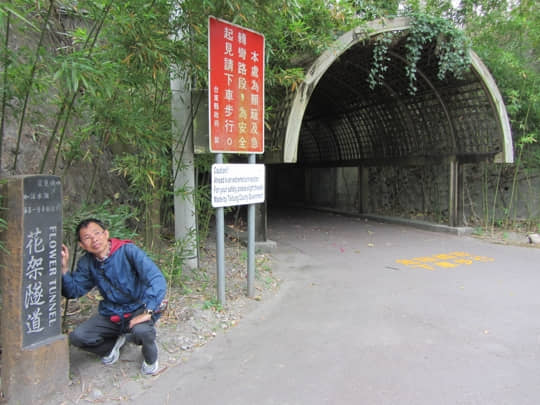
77, 73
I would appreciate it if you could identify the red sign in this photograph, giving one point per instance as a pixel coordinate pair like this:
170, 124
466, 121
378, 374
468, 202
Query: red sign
236, 88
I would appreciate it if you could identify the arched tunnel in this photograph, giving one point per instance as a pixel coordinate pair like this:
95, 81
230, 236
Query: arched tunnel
340, 144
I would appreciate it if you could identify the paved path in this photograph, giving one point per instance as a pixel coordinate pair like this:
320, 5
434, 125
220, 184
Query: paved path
372, 313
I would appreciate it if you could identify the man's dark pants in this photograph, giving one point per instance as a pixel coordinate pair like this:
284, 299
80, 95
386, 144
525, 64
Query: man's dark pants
98, 335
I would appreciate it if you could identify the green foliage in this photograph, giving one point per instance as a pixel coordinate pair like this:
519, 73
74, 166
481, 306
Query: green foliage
117, 218
452, 46
452, 49
175, 259
372, 9
212, 304
380, 61
203, 196
514, 63
295, 33
506, 36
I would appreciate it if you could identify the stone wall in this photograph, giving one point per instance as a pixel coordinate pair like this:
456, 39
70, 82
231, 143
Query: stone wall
79, 176
411, 192
77, 179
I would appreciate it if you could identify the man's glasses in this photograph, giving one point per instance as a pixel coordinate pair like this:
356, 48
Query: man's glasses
90, 237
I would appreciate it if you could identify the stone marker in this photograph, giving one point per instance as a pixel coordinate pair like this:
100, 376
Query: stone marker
35, 354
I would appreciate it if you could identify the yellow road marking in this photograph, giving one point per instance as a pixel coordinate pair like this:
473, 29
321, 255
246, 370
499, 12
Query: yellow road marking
444, 260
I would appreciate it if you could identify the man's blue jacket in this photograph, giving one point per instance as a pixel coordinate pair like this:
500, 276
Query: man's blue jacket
127, 280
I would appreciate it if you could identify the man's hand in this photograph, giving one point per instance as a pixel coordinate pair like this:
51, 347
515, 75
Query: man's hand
139, 319
65, 259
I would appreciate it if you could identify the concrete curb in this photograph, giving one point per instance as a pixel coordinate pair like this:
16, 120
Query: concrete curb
424, 225
428, 226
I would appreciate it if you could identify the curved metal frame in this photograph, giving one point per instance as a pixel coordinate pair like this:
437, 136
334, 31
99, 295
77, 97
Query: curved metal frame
351, 38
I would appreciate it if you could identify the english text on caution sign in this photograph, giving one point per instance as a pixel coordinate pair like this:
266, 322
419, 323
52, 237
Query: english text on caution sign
237, 184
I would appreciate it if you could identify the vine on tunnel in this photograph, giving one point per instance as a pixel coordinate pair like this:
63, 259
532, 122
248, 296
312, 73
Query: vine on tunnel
451, 47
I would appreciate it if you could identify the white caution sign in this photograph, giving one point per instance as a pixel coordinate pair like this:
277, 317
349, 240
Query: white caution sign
237, 184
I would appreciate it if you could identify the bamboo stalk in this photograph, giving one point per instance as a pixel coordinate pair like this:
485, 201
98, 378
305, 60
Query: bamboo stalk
30, 84
5, 81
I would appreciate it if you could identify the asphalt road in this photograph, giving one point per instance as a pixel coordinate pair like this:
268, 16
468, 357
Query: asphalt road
372, 313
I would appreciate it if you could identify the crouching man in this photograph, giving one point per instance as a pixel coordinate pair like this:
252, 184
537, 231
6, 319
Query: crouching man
132, 287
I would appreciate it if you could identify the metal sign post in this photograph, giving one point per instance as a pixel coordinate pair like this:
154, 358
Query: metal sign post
237, 184
220, 246
251, 243
236, 125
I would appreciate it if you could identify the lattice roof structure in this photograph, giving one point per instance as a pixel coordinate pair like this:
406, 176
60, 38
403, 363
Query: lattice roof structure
336, 119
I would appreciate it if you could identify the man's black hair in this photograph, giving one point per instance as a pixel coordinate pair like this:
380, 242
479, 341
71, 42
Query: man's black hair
85, 222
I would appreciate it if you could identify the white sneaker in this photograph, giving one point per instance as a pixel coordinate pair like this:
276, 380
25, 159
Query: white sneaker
114, 355
149, 369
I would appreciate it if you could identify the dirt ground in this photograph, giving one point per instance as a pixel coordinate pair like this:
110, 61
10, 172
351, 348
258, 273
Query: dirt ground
192, 320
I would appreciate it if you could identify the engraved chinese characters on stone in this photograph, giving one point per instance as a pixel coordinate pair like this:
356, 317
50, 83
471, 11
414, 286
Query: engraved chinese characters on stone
41, 258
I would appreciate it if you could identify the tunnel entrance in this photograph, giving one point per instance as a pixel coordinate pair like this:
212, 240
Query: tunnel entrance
346, 146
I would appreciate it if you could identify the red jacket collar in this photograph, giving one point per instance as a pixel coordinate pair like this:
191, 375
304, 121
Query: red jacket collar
117, 243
